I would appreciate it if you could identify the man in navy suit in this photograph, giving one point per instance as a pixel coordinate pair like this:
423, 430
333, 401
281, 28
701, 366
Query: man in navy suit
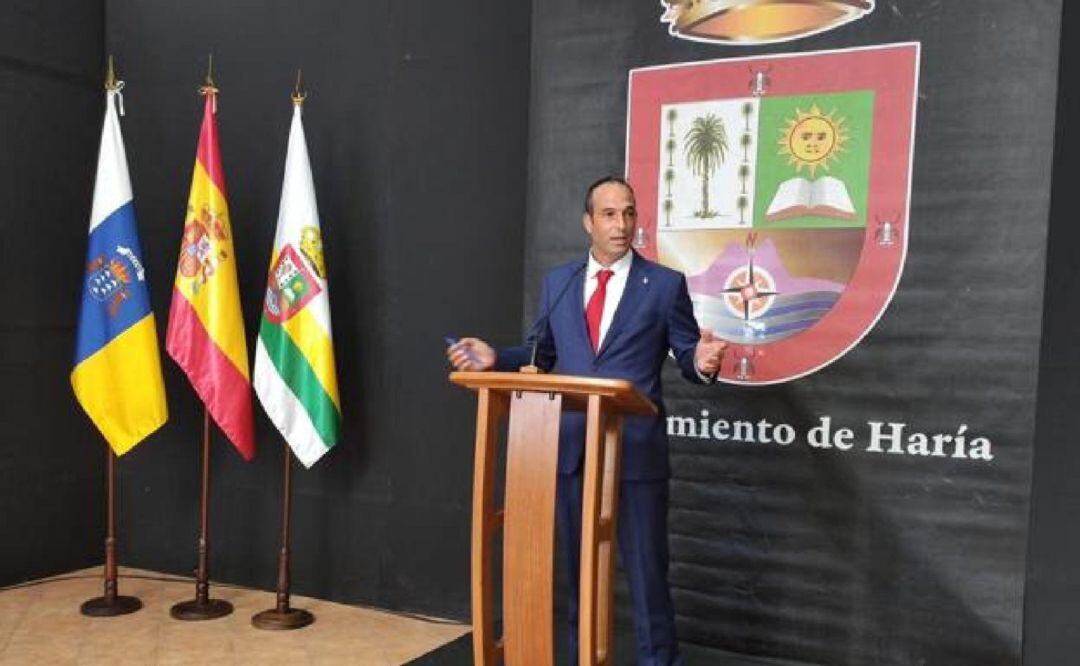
615, 314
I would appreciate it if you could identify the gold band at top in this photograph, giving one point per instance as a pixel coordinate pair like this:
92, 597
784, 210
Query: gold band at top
760, 20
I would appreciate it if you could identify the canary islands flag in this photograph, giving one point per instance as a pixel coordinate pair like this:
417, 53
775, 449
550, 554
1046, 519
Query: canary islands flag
295, 377
206, 328
117, 375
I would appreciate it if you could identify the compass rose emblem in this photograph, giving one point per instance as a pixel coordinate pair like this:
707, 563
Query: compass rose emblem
749, 291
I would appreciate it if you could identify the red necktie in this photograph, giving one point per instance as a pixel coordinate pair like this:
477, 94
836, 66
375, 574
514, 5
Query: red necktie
594, 311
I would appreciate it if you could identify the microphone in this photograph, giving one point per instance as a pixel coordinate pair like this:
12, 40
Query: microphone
541, 323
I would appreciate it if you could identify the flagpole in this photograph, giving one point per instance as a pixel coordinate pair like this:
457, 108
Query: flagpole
202, 607
111, 603
282, 616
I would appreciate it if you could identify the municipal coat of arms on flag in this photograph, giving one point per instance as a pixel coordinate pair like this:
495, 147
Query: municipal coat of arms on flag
780, 187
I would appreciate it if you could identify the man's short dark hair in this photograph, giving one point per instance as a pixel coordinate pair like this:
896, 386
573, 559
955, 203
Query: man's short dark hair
604, 181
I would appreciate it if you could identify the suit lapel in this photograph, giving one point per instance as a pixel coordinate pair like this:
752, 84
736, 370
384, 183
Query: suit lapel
628, 304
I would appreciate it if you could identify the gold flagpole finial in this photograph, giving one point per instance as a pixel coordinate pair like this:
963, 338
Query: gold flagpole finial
113, 86
110, 76
209, 88
298, 96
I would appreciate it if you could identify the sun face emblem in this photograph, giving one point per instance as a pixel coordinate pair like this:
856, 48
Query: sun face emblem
813, 139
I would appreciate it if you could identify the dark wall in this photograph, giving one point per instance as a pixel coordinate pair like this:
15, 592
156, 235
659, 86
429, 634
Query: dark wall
416, 127
1052, 603
51, 459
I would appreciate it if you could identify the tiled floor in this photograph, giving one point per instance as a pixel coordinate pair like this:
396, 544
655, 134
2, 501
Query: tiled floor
41, 625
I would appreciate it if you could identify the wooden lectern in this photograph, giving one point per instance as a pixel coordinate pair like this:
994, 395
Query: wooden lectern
534, 403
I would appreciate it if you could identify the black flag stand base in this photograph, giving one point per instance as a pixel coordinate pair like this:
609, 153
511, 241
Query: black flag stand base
282, 616
290, 618
202, 607
106, 607
201, 610
111, 604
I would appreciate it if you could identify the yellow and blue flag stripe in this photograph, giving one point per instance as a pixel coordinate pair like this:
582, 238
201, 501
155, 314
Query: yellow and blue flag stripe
117, 370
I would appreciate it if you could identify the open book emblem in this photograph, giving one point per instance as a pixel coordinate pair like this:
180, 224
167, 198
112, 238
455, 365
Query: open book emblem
826, 197
771, 204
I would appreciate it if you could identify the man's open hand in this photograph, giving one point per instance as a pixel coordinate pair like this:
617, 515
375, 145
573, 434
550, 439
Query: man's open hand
709, 354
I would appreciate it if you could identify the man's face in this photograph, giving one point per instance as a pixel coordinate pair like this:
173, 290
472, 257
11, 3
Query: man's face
612, 223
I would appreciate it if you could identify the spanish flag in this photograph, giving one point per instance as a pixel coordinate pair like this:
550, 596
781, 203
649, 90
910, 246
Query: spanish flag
206, 328
295, 377
117, 374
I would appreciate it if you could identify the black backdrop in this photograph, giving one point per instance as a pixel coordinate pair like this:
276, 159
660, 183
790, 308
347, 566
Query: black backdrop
1052, 595
50, 123
416, 127
420, 131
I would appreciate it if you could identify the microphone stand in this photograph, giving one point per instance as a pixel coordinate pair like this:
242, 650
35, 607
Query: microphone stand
541, 323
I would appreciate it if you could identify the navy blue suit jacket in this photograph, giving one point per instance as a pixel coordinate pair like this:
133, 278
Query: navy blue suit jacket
654, 315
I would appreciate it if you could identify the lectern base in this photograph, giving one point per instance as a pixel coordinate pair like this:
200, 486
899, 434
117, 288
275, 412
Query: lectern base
105, 607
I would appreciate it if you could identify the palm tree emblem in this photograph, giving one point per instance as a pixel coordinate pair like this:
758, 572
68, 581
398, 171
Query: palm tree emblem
706, 148
669, 178
746, 140
670, 144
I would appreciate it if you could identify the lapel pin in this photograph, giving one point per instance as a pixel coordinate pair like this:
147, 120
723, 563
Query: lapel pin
644, 280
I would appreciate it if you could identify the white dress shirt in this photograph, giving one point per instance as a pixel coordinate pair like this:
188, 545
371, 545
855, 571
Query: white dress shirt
616, 285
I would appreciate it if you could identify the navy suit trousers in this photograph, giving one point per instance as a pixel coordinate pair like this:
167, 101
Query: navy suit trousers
643, 554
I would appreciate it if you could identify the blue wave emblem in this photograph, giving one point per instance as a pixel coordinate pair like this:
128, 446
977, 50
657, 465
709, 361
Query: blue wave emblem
787, 316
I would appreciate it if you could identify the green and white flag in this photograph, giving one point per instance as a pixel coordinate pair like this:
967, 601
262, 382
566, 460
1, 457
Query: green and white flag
295, 376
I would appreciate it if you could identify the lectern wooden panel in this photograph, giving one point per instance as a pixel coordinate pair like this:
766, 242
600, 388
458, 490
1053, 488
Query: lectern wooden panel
529, 534
534, 404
